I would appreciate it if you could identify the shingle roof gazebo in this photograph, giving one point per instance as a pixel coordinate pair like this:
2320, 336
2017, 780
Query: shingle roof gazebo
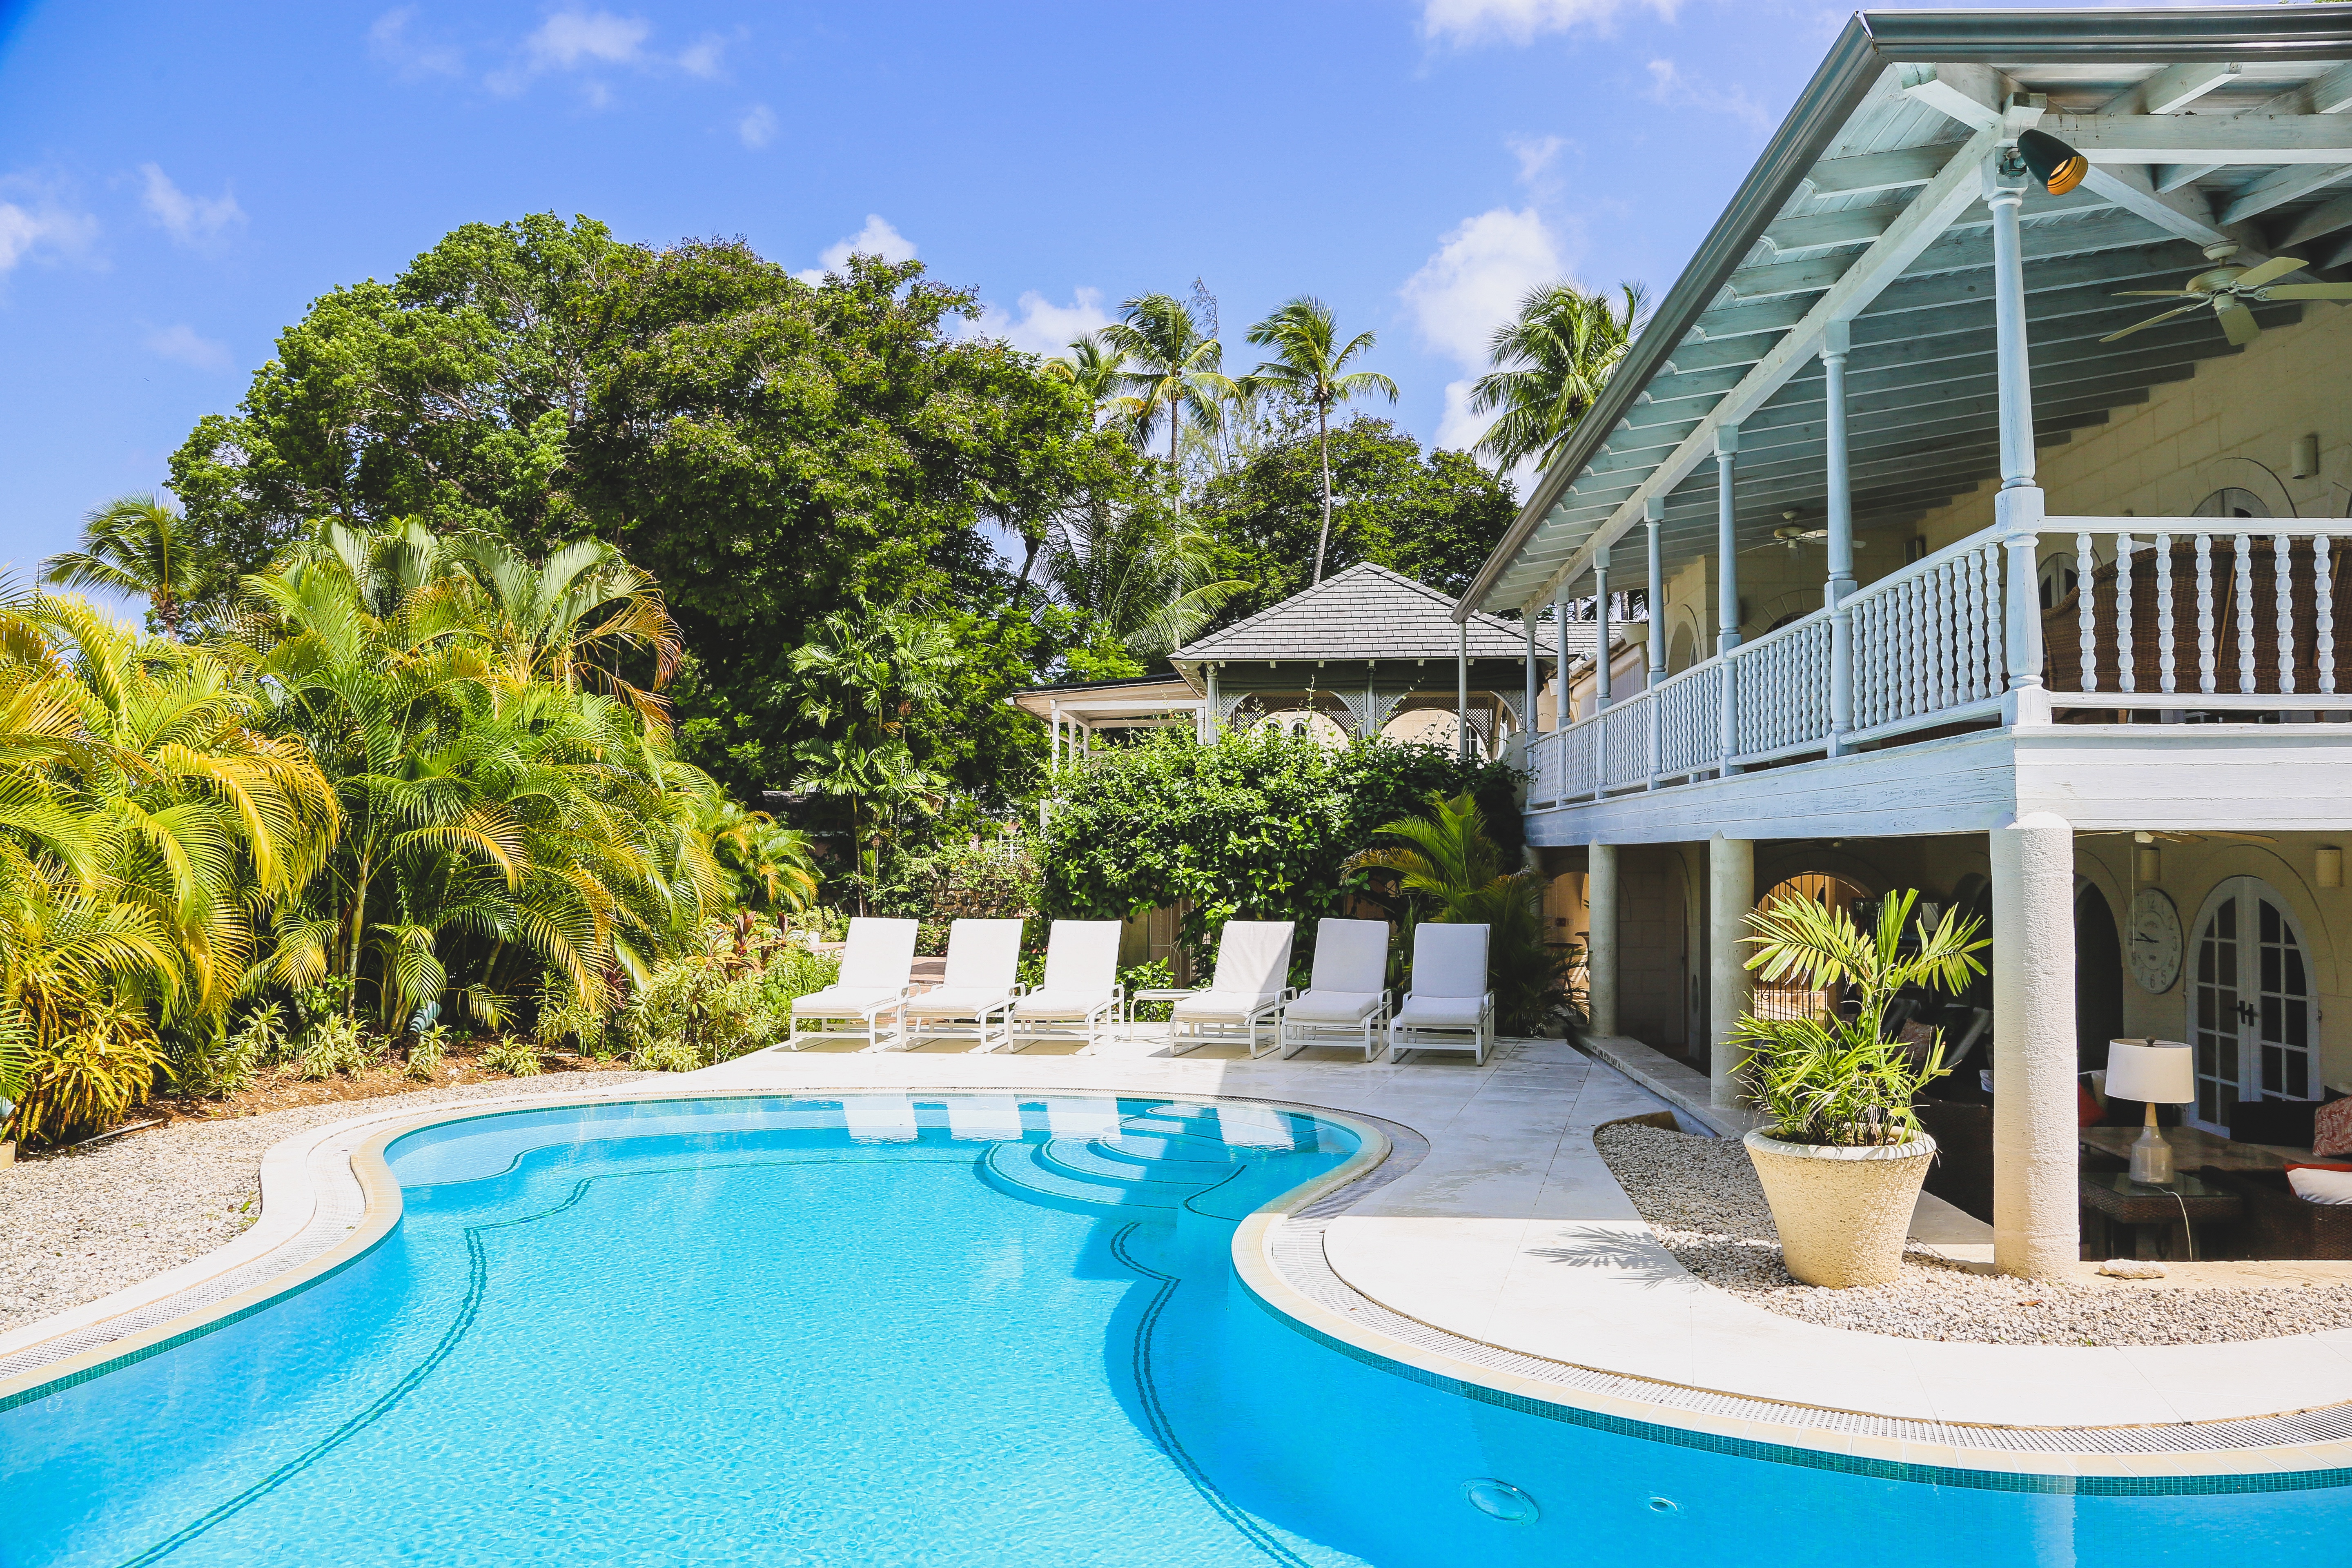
1364, 646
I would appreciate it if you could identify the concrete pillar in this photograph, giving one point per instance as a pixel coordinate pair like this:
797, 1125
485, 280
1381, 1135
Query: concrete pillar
1600, 937
2035, 1220
1731, 896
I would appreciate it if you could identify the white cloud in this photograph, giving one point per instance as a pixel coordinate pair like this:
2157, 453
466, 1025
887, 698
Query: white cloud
705, 57
41, 228
1521, 21
200, 223
1476, 278
1043, 327
1670, 86
1535, 154
182, 345
571, 40
389, 40
758, 126
876, 238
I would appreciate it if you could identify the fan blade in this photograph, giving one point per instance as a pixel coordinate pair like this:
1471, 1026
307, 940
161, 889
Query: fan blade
2309, 291
2238, 324
2276, 267
2152, 320
2159, 294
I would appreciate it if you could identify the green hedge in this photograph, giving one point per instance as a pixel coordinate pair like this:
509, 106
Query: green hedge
1257, 825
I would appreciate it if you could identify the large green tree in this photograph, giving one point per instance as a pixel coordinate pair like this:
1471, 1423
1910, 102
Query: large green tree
767, 448
1551, 362
1432, 516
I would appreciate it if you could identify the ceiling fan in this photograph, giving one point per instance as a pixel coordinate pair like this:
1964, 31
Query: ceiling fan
2226, 289
1791, 534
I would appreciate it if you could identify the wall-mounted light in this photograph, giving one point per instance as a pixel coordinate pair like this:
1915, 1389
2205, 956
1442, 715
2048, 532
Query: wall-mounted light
2305, 462
2055, 167
2147, 863
2331, 866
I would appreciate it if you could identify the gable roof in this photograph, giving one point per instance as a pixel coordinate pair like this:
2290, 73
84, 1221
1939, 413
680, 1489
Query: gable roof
1367, 612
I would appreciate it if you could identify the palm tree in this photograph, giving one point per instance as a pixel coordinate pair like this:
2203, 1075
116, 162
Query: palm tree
1550, 363
1097, 368
1305, 368
1148, 578
135, 544
1178, 371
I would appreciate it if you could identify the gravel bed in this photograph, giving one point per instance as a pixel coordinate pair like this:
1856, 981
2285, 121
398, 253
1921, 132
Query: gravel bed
1701, 1197
76, 1226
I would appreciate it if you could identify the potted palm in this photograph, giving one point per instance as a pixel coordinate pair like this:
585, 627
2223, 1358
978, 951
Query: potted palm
1842, 1156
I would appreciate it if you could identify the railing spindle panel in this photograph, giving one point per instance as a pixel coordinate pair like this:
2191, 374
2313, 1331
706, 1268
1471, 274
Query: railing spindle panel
2282, 560
2085, 617
2246, 613
2168, 675
2127, 653
2204, 612
2323, 613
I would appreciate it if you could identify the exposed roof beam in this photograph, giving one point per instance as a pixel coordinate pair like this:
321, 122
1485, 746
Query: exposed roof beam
2185, 214
2280, 186
1975, 95
1855, 225
2204, 138
2326, 218
1878, 171
2173, 89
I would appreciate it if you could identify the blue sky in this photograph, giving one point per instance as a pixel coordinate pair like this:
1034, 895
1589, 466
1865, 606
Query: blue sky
177, 182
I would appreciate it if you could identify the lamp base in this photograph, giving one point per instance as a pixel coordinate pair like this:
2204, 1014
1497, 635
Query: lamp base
2151, 1159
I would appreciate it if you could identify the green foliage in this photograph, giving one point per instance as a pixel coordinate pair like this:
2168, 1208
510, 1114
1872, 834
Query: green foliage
1157, 974
666, 1055
140, 546
767, 448
1433, 517
425, 1052
213, 1065
1145, 577
513, 1056
1448, 858
1308, 369
731, 997
83, 1080
1259, 825
336, 1044
1836, 1081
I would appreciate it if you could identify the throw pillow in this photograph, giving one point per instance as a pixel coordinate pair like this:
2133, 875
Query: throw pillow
2314, 1186
2331, 1128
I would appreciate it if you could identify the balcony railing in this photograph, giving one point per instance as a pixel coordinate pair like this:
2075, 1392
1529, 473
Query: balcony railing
2168, 619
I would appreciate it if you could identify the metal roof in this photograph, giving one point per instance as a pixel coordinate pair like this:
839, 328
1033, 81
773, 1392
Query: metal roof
1367, 612
1865, 209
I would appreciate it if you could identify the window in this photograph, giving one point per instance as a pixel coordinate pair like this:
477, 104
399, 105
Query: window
2231, 502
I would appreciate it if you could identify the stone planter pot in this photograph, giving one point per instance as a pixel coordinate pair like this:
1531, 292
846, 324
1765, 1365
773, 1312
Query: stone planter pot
1843, 1212
8, 1154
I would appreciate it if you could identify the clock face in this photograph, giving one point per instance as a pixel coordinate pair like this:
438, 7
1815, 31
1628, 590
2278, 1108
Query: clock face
2155, 940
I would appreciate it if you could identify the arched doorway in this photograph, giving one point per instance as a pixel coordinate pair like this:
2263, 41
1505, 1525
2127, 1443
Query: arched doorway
2098, 977
1792, 998
2250, 1003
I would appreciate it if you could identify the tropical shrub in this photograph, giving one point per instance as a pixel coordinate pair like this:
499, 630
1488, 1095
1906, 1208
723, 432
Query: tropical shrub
513, 1056
82, 1080
425, 1052
1447, 859
666, 1055
1259, 824
334, 1045
1839, 1080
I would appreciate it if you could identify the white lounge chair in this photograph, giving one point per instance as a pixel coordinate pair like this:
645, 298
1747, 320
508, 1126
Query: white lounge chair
876, 965
1080, 996
1247, 993
975, 1000
1345, 1002
1449, 999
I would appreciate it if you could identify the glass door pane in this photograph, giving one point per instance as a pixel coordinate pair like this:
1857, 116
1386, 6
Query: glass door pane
2214, 1016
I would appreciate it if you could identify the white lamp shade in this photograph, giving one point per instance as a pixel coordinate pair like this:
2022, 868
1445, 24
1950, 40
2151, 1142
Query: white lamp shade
2159, 1072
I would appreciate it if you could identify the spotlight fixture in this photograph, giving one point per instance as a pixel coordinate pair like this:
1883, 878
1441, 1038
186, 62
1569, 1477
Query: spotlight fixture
2055, 167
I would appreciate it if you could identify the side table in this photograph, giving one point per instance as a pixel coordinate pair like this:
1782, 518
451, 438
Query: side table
2118, 1199
1154, 995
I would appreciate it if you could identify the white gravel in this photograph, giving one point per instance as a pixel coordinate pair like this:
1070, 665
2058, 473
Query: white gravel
74, 1228
1701, 1197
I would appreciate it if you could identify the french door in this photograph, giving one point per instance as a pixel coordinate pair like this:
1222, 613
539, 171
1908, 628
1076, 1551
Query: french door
2249, 1003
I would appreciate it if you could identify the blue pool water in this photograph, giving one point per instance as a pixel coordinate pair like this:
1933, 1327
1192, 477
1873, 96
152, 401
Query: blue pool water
952, 1330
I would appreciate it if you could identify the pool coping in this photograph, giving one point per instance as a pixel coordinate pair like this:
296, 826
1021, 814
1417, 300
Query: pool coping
329, 1197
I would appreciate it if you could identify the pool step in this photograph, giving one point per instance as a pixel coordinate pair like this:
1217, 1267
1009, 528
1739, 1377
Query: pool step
1015, 1168
1154, 1164
1185, 1146
1086, 1162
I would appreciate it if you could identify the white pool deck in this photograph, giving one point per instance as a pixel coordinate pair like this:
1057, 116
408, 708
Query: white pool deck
1506, 1256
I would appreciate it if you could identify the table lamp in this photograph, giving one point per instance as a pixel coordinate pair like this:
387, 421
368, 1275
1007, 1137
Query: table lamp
2158, 1072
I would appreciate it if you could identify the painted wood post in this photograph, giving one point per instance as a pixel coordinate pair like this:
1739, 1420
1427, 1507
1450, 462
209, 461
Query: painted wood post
1600, 938
2018, 507
1559, 713
1462, 695
1726, 585
1211, 719
1730, 895
1837, 341
1601, 671
1653, 518
1056, 744
1528, 714
2036, 1230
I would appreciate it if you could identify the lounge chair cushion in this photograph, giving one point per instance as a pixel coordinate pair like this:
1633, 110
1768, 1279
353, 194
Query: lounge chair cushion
1350, 956
955, 1002
1221, 1007
1060, 1005
841, 1001
1441, 1013
1333, 1007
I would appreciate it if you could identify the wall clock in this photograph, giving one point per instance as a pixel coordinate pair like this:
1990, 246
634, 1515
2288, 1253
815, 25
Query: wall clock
2154, 941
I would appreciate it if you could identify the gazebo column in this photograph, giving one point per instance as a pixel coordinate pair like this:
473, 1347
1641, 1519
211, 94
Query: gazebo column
1211, 720
1730, 895
2036, 1225
1054, 745
1601, 693
1600, 938
1462, 694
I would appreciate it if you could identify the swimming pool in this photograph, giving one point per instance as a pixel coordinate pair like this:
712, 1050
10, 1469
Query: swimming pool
953, 1329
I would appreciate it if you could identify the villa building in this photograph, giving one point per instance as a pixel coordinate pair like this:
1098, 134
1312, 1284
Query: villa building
1967, 583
